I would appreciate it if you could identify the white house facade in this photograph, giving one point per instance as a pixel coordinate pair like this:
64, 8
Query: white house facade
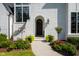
18, 20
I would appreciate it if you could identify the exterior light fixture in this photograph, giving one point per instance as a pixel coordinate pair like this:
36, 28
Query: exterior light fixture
47, 21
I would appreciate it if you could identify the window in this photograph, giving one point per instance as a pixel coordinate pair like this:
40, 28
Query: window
25, 13
22, 12
78, 22
75, 22
18, 14
25, 3
18, 3
22, 3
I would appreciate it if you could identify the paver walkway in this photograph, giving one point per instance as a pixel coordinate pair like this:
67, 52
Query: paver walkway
41, 48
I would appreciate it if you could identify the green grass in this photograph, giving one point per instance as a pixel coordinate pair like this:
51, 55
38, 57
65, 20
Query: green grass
27, 52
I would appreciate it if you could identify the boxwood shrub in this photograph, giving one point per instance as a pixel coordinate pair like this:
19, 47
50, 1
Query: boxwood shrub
49, 38
4, 42
74, 41
30, 38
21, 44
18, 44
12, 46
3, 37
64, 48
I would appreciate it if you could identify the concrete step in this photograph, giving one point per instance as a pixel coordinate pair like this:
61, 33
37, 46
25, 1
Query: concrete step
39, 38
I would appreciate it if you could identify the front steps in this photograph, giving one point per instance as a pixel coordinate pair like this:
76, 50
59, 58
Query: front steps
39, 38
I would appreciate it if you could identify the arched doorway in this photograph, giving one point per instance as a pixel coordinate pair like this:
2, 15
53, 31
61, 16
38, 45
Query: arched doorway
39, 26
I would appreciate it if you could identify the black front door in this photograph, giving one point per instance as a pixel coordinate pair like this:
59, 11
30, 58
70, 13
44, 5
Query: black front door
39, 27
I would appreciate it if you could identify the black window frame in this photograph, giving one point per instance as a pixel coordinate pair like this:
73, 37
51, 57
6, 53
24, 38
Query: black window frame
75, 22
18, 14
22, 11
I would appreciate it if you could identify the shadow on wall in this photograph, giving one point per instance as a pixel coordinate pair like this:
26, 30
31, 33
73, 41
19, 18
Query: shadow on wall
62, 15
19, 30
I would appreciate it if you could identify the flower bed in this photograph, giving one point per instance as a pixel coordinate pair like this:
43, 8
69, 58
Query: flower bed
63, 47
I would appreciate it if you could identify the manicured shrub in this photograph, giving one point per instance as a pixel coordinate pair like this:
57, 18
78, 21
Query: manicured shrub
18, 44
49, 38
5, 44
27, 44
30, 38
64, 48
12, 46
21, 44
27, 41
3, 37
74, 41
58, 30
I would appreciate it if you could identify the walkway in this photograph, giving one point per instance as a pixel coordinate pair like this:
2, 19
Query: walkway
41, 48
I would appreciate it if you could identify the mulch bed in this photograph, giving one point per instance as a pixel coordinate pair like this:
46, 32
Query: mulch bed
3, 49
6, 49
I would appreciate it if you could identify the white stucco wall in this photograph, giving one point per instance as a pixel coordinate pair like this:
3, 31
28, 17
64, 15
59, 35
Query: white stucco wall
51, 14
54, 12
57, 13
3, 19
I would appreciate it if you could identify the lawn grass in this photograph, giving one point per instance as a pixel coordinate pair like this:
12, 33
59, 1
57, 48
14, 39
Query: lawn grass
27, 52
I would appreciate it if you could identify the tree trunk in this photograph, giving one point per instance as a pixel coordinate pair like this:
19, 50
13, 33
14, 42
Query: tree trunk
58, 36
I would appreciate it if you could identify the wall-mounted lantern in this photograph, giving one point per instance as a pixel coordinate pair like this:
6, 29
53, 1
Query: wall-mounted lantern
47, 21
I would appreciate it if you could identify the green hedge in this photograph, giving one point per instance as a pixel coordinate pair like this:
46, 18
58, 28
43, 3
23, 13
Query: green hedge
30, 38
64, 48
3, 37
74, 41
21, 44
49, 38
18, 44
4, 42
12, 46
